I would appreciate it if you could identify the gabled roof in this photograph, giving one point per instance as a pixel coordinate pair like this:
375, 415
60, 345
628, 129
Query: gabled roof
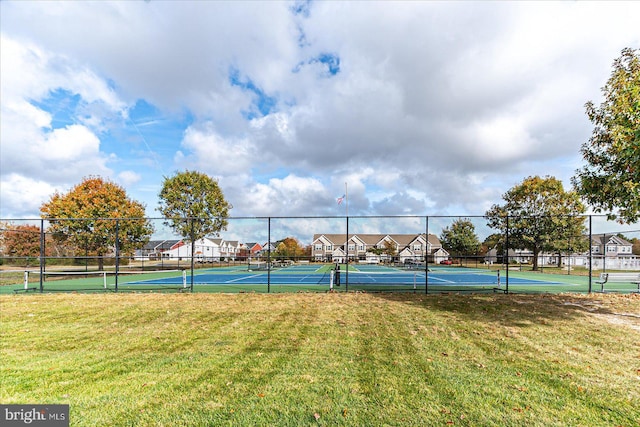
370, 239
602, 239
383, 239
160, 245
356, 239
334, 239
403, 239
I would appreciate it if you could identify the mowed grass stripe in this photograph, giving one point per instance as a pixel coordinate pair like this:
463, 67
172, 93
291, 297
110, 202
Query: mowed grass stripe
325, 359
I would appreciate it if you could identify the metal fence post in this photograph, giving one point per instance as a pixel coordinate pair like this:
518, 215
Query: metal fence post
346, 247
117, 266
507, 258
193, 251
269, 255
42, 255
590, 252
426, 256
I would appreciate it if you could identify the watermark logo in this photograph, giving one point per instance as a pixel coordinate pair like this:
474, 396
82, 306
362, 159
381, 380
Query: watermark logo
34, 415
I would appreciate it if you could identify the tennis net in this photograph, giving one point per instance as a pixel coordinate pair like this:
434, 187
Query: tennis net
416, 280
104, 280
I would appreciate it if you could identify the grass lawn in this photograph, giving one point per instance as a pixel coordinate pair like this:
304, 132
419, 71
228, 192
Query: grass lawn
327, 359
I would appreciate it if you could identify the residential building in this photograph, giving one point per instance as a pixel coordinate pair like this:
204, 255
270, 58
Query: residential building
607, 252
376, 248
205, 250
611, 252
154, 249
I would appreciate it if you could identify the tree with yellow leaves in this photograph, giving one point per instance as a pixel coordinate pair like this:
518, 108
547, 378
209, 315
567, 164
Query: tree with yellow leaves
96, 215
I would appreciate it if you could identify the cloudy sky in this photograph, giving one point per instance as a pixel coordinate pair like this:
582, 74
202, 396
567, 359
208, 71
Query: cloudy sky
423, 108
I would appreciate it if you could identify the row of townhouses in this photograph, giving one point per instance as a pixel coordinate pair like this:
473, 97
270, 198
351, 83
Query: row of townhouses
366, 248
607, 252
325, 248
205, 250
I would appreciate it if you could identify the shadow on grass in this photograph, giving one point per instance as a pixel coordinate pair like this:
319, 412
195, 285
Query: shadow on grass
523, 309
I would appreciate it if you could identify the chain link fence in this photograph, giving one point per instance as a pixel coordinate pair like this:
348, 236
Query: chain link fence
427, 254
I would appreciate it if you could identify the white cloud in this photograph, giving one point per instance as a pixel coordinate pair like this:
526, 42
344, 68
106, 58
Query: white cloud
437, 106
214, 154
290, 195
24, 195
128, 178
33, 150
71, 143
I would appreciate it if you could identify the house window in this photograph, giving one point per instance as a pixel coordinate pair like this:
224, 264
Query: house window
352, 248
361, 248
318, 247
328, 247
417, 247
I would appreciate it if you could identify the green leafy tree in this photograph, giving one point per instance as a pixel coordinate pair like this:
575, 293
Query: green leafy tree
461, 238
387, 248
494, 241
538, 215
611, 179
376, 250
94, 216
193, 205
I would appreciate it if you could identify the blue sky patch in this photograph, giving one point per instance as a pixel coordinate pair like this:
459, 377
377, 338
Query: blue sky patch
301, 8
330, 60
262, 104
62, 105
147, 133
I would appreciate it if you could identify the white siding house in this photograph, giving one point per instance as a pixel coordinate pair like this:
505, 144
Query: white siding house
205, 250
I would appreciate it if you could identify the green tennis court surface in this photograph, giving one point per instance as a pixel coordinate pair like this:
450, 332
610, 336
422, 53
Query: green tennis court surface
314, 278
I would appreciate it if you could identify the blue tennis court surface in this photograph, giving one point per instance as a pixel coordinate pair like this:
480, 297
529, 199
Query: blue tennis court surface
365, 277
319, 278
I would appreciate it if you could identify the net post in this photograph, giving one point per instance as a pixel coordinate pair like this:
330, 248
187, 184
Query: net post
331, 275
184, 279
104, 279
26, 280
